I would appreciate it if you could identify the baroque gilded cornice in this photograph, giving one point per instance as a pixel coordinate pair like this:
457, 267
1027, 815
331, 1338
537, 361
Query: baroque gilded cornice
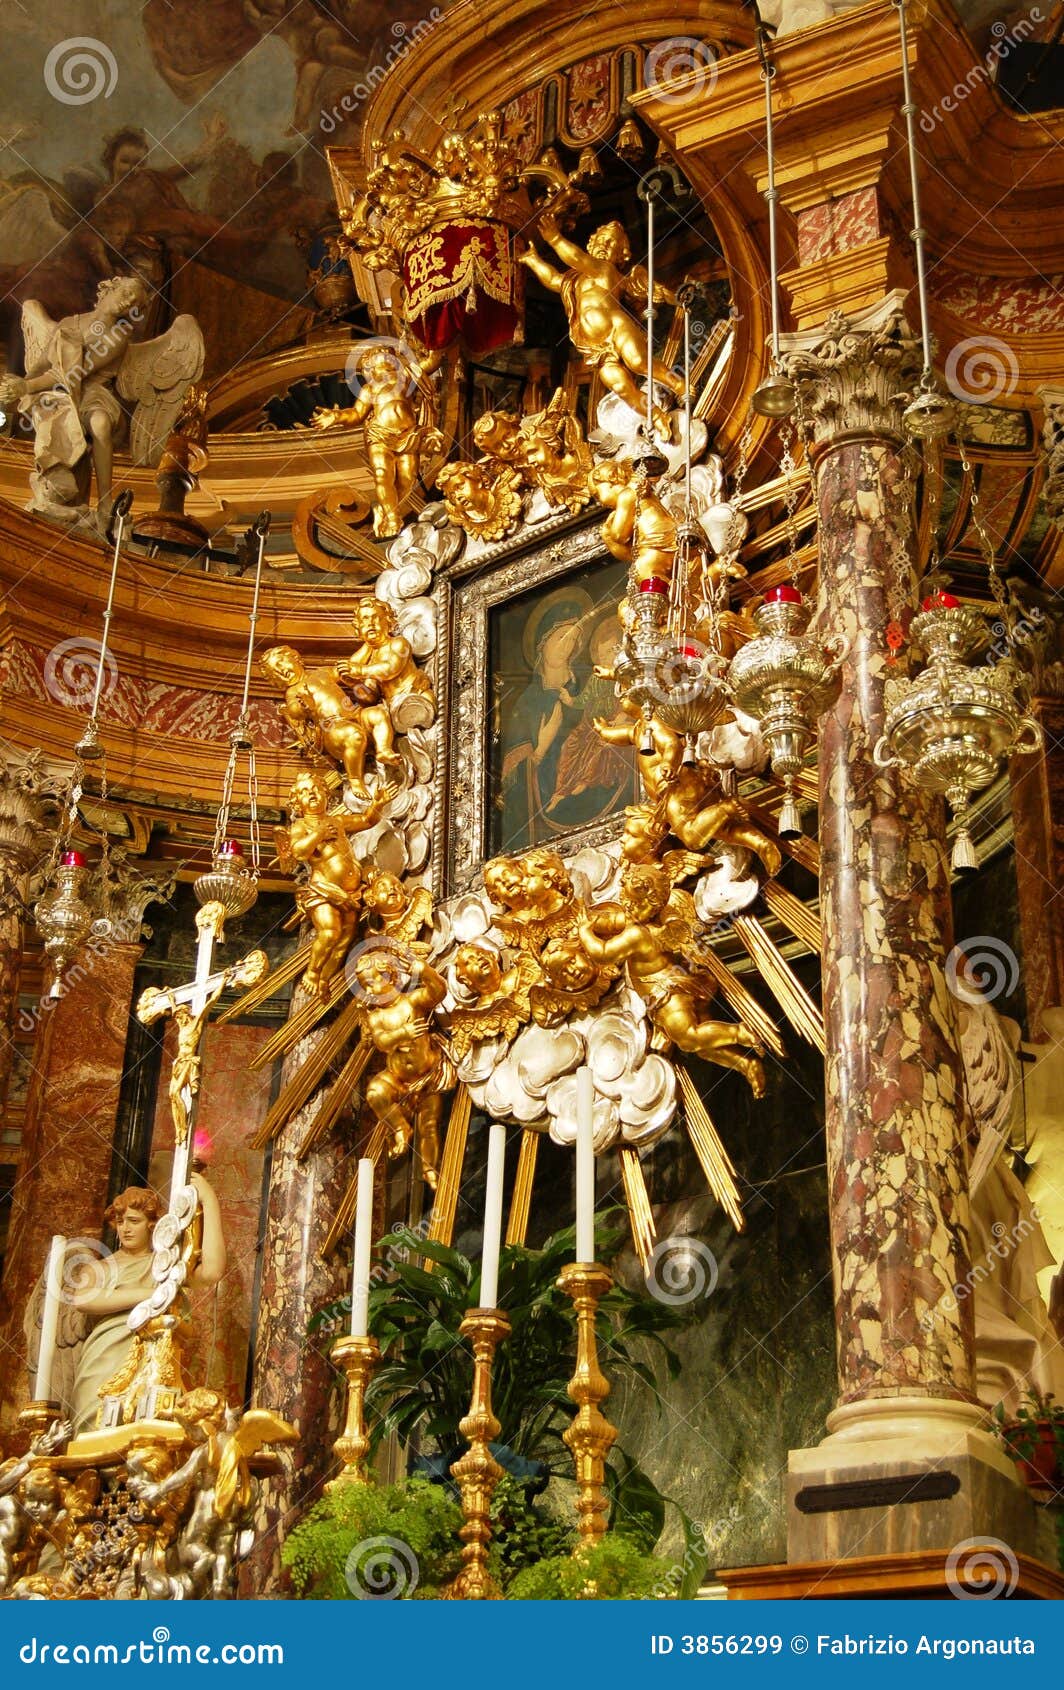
177, 645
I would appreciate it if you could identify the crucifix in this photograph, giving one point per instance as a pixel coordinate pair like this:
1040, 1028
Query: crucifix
190, 1007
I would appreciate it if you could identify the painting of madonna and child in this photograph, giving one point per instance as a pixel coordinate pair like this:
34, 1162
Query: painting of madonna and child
549, 772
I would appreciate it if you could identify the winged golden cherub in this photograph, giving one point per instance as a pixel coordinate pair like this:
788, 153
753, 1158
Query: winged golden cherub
77, 371
650, 931
403, 911
484, 499
547, 449
503, 1003
570, 982
219, 1470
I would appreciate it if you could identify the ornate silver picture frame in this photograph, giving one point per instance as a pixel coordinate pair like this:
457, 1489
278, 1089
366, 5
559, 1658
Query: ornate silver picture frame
521, 764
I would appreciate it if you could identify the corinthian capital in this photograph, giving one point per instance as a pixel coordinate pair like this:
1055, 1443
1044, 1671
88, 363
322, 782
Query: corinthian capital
855, 374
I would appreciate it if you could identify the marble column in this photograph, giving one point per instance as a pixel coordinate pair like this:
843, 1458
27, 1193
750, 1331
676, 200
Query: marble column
291, 1374
10, 971
1037, 796
28, 794
68, 1136
894, 1113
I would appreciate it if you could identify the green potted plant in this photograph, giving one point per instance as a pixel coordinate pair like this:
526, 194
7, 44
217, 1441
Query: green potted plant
1033, 1434
375, 1542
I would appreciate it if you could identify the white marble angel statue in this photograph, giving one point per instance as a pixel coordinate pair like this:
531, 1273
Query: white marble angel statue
77, 373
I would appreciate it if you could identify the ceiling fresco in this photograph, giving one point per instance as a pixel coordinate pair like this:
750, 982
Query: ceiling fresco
186, 141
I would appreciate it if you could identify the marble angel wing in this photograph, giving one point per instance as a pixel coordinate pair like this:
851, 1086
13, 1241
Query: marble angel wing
991, 1075
38, 337
156, 375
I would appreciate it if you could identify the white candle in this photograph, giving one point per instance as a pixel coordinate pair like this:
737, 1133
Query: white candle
53, 1287
489, 1263
585, 1166
363, 1245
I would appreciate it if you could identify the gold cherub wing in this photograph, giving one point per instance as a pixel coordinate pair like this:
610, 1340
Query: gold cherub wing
408, 926
501, 1016
257, 1429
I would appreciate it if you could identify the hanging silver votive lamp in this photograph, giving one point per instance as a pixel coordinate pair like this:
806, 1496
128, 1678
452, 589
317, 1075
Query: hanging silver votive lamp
785, 679
952, 725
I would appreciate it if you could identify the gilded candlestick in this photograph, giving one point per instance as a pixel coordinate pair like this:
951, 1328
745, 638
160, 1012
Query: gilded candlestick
37, 1416
477, 1471
358, 1357
590, 1435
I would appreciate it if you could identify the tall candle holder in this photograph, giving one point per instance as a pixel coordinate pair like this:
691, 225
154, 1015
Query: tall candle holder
358, 1357
477, 1471
590, 1435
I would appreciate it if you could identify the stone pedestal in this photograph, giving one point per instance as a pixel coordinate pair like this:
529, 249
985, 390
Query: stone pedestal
908, 1462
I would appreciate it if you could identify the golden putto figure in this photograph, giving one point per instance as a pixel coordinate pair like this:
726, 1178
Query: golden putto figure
396, 1005
592, 288
645, 931
682, 798
329, 897
382, 675
323, 717
396, 436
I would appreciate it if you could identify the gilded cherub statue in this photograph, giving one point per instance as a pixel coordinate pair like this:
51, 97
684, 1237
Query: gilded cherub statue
534, 897
403, 911
31, 1502
682, 798
640, 530
500, 1003
382, 674
645, 931
547, 449
396, 1016
592, 287
324, 719
200, 1563
484, 499
77, 372
330, 895
571, 982
396, 436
